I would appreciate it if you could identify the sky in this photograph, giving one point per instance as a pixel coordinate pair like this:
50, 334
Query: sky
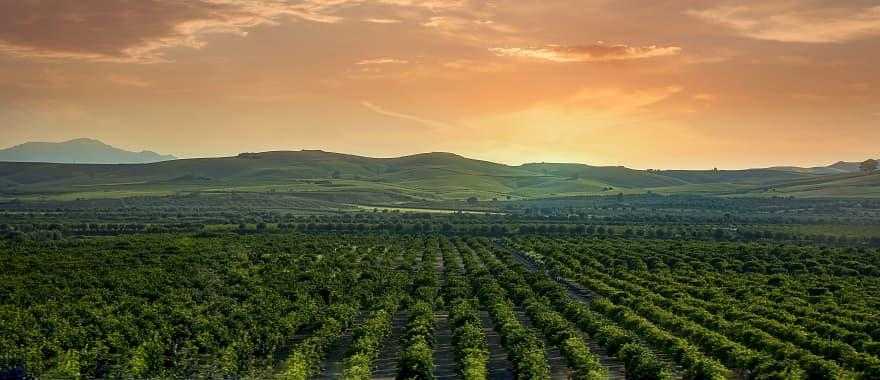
646, 84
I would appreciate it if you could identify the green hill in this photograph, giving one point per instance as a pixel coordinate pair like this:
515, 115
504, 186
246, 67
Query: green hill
743, 177
612, 176
840, 167
833, 186
343, 178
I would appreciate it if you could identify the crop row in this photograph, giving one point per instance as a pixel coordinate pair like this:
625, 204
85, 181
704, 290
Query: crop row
717, 312
583, 363
693, 321
525, 350
417, 358
469, 339
606, 326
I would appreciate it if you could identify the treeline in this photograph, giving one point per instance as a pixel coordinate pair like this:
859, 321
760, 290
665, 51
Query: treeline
695, 232
58, 231
700, 209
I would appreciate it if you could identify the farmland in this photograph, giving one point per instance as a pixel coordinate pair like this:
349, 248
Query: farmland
434, 267
316, 305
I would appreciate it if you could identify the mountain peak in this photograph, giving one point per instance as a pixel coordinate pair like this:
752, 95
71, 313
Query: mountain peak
435, 155
80, 151
84, 140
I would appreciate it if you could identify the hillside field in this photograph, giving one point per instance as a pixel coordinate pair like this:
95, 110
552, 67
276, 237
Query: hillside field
354, 180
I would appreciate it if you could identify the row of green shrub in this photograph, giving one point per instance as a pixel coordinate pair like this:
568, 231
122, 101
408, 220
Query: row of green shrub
557, 330
716, 336
468, 336
417, 358
524, 349
368, 338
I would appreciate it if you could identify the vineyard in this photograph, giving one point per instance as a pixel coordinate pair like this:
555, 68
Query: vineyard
294, 306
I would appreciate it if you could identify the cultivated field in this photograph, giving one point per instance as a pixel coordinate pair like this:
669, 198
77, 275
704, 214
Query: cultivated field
423, 306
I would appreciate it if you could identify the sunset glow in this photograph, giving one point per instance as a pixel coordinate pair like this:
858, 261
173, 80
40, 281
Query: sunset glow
668, 84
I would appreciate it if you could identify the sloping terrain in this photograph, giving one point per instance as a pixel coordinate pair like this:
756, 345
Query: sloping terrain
840, 167
342, 178
833, 186
615, 176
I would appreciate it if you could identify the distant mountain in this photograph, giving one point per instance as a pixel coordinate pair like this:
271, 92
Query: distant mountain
79, 151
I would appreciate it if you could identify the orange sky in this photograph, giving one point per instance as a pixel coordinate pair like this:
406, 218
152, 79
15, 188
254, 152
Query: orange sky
660, 84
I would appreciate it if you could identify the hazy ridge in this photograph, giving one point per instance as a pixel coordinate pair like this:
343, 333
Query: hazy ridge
80, 151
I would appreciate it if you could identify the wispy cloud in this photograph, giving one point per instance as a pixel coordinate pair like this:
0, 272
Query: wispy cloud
403, 116
382, 21
382, 61
795, 21
456, 24
474, 29
614, 100
129, 81
589, 53
477, 66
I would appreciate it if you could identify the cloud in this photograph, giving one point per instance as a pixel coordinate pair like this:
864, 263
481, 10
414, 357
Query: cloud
129, 81
795, 21
397, 115
382, 21
702, 97
382, 61
457, 24
432, 5
139, 31
470, 28
613, 100
476, 66
589, 53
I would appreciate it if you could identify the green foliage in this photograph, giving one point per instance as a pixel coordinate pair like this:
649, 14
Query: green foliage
179, 306
273, 305
526, 351
758, 331
369, 337
417, 360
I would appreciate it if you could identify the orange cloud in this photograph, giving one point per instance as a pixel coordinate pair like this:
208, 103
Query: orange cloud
589, 53
382, 21
130, 81
469, 28
138, 32
113, 31
795, 21
382, 61
403, 116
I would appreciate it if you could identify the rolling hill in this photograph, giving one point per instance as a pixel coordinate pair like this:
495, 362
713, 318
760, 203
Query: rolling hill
83, 151
840, 167
344, 178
